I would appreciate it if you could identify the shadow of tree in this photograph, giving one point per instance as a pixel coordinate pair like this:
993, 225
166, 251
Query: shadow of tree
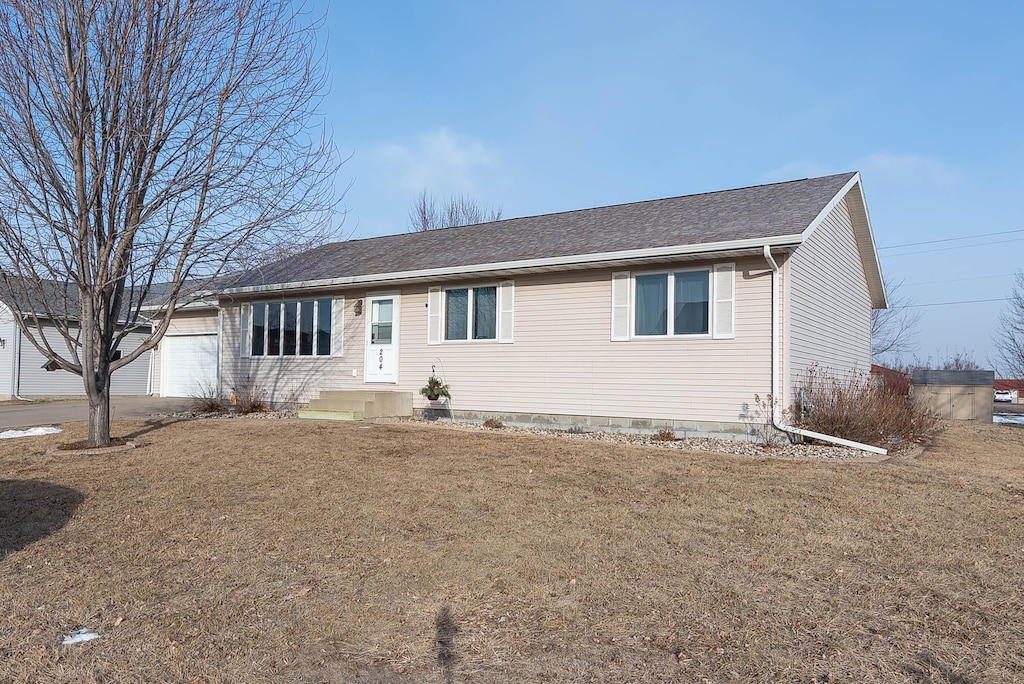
31, 510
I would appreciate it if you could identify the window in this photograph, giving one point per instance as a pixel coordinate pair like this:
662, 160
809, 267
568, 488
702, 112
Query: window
471, 313
292, 328
678, 303
460, 314
672, 303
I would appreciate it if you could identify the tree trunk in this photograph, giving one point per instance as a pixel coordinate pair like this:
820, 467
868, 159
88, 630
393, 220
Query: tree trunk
99, 411
99, 418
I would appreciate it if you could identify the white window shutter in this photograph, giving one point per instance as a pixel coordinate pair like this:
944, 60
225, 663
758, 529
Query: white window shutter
338, 327
724, 314
620, 306
245, 330
506, 310
434, 315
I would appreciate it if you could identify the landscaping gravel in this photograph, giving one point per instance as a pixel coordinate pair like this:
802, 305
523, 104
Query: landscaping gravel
782, 449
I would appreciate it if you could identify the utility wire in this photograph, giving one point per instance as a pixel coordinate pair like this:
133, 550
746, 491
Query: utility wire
946, 249
960, 280
969, 301
966, 237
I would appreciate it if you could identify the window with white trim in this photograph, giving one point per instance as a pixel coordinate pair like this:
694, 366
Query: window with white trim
466, 314
301, 327
471, 313
694, 302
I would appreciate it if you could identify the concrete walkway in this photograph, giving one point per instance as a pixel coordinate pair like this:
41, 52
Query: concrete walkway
55, 412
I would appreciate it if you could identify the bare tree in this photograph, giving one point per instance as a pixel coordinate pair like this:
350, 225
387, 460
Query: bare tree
1009, 337
458, 210
893, 330
146, 148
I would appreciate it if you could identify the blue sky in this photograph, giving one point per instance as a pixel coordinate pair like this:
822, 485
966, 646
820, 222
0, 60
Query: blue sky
537, 107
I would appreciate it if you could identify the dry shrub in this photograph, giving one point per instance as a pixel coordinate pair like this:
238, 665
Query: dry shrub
665, 435
207, 400
855, 408
248, 397
493, 423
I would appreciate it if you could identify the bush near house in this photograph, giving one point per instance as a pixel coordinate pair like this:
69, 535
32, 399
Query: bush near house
861, 410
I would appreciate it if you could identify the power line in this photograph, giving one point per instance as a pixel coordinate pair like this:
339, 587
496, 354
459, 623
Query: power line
946, 249
969, 301
966, 237
960, 280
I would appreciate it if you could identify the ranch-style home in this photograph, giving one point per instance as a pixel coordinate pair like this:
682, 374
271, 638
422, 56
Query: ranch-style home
666, 313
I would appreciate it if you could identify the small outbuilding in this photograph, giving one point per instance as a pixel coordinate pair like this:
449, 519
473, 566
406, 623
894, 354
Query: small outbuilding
956, 395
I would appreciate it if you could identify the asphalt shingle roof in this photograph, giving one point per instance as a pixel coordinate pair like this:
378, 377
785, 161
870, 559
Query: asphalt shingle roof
762, 211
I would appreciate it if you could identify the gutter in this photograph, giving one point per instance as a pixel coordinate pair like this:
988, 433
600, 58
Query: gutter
776, 392
17, 366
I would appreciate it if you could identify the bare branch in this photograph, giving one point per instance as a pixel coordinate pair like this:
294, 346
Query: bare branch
1009, 338
458, 210
147, 142
894, 330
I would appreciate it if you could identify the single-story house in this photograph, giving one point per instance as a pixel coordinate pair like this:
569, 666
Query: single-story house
665, 313
24, 372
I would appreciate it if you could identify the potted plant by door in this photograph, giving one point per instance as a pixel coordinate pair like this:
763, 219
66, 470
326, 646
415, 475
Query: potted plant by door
435, 389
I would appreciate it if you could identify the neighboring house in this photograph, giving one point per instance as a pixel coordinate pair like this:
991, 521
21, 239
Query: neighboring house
648, 314
1015, 386
23, 370
955, 395
891, 379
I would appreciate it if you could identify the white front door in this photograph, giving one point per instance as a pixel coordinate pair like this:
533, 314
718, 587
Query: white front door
381, 339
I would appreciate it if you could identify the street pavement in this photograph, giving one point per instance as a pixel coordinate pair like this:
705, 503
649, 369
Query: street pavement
32, 414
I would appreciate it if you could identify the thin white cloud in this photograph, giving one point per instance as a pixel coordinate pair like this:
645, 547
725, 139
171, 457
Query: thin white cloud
907, 169
879, 168
441, 162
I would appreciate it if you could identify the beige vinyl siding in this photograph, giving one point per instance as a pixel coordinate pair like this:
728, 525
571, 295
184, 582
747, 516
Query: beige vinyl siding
295, 379
562, 360
132, 379
184, 322
829, 305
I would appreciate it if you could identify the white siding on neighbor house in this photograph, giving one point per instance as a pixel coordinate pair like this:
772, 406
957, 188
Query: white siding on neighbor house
132, 379
561, 361
184, 322
828, 302
7, 334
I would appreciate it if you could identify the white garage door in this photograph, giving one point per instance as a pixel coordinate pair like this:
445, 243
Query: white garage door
188, 365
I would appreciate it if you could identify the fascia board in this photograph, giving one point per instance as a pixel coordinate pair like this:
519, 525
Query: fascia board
596, 259
865, 240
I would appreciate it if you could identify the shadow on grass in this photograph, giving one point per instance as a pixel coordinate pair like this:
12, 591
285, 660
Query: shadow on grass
31, 510
446, 629
151, 425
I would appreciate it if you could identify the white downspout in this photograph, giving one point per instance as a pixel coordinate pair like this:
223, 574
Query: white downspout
17, 365
776, 392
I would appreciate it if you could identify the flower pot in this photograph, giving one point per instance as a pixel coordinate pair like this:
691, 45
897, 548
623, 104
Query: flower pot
432, 397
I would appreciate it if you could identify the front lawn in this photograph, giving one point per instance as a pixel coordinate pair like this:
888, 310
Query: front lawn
250, 550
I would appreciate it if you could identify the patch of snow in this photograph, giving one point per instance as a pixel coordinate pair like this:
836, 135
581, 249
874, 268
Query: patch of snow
31, 432
80, 635
1010, 418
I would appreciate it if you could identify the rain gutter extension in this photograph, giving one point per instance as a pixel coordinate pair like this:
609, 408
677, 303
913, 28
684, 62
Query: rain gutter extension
776, 392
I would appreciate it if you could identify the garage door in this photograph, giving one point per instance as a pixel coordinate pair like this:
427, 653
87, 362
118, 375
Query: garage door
188, 365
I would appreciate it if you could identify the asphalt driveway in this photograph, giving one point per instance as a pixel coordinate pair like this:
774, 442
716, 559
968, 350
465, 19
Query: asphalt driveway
53, 412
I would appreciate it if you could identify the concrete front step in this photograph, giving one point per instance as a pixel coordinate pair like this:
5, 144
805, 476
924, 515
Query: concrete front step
365, 404
312, 414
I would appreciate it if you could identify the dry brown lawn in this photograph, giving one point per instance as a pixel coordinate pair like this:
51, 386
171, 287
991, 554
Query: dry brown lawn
239, 551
